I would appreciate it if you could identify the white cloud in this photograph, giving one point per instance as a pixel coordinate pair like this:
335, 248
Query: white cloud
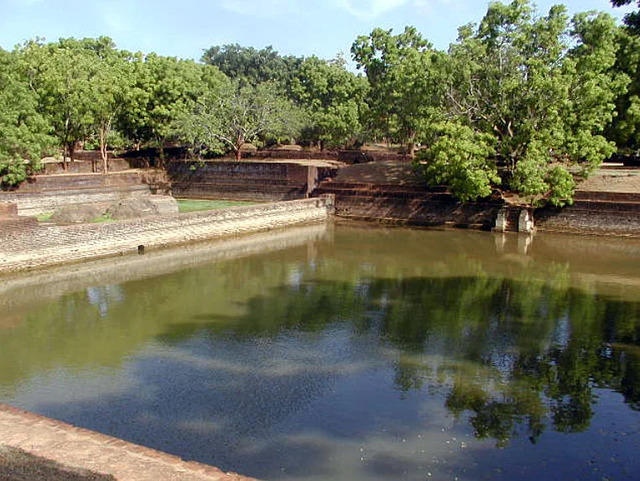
361, 9
370, 9
261, 8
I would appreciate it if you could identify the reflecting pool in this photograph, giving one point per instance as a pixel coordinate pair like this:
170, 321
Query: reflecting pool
346, 352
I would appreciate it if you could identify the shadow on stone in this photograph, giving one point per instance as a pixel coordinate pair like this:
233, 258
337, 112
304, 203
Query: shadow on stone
18, 465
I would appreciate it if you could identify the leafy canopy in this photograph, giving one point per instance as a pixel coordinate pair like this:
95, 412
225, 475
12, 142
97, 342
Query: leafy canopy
234, 115
332, 98
24, 132
544, 88
403, 72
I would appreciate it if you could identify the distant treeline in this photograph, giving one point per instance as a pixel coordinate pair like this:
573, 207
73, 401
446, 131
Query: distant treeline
522, 101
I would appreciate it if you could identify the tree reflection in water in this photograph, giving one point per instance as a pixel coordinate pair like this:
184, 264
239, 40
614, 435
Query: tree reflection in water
517, 356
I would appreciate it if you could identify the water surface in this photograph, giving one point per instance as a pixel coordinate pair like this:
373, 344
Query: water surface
347, 352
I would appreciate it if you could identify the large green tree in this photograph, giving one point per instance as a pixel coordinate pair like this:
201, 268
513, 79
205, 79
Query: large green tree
542, 87
23, 130
625, 128
250, 66
227, 118
112, 86
64, 76
163, 90
333, 99
404, 74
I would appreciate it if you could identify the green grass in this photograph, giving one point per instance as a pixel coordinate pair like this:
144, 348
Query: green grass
106, 217
44, 217
191, 205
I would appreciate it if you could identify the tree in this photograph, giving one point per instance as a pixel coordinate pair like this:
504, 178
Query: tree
23, 130
236, 115
332, 98
112, 85
163, 90
63, 75
632, 20
461, 158
404, 75
625, 127
543, 87
249, 66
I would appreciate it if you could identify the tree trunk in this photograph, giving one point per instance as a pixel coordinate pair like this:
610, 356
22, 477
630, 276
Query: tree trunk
160, 163
239, 143
410, 150
71, 149
72, 152
104, 133
65, 166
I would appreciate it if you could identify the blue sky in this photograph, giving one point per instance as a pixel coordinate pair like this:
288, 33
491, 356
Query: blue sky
184, 28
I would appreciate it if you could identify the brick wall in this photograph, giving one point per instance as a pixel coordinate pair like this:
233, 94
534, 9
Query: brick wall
600, 213
50, 245
260, 181
46, 193
409, 205
85, 165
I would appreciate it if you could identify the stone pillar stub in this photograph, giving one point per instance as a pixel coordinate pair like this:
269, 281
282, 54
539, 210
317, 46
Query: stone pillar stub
501, 221
525, 222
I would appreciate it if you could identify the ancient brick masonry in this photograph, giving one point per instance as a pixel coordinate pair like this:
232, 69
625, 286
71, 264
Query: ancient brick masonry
604, 213
46, 193
48, 245
263, 181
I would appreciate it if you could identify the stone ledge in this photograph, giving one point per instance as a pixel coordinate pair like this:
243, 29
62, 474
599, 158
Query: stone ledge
52, 245
88, 450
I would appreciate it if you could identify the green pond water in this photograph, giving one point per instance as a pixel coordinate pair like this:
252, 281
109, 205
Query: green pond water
346, 352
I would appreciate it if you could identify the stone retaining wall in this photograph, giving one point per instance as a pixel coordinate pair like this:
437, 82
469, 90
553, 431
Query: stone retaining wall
409, 205
46, 245
602, 213
86, 163
606, 213
46, 193
259, 181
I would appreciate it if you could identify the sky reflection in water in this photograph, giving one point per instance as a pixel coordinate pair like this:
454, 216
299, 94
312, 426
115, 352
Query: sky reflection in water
355, 353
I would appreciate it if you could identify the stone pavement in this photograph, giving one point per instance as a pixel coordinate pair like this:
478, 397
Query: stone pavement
77, 453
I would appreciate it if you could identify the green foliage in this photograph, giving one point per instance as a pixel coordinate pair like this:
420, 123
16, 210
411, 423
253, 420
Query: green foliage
234, 115
106, 217
461, 159
62, 74
405, 79
194, 205
624, 130
252, 67
632, 20
164, 90
23, 130
333, 99
543, 87
539, 99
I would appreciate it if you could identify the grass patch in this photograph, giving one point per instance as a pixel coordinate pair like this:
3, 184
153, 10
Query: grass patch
191, 205
106, 217
44, 217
